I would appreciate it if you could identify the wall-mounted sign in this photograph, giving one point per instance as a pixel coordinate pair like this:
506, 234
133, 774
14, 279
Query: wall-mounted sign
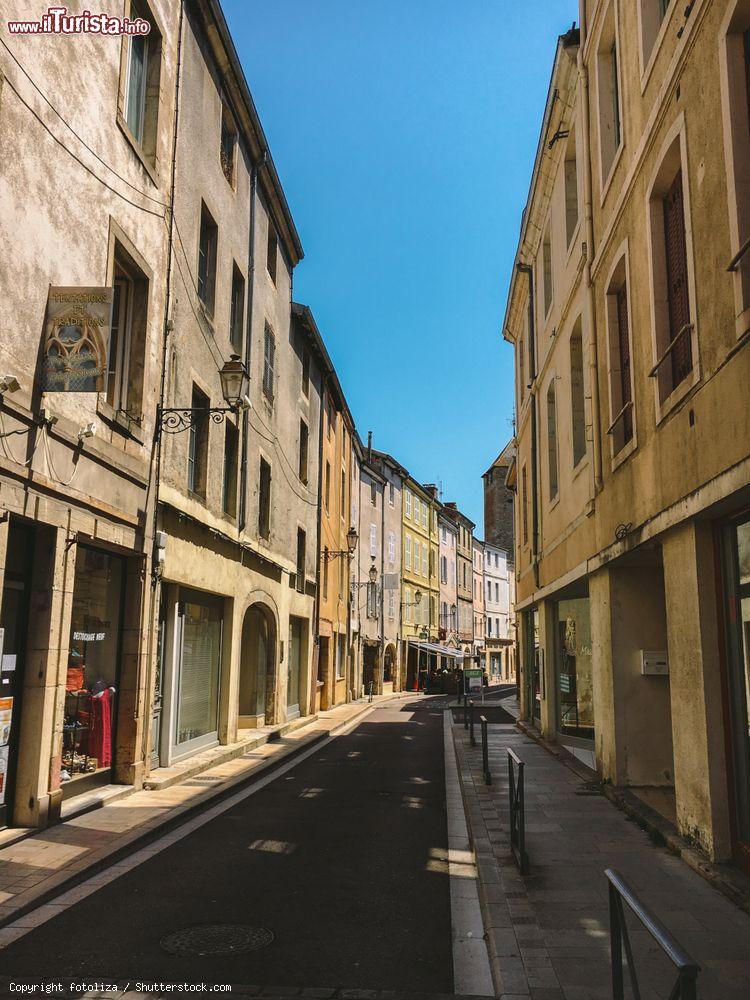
473, 680
76, 339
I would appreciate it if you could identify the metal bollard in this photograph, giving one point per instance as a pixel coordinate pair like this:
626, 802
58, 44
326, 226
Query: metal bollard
485, 752
466, 712
472, 739
516, 808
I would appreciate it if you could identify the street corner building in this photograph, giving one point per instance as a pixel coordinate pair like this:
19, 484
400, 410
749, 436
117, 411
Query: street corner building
629, 312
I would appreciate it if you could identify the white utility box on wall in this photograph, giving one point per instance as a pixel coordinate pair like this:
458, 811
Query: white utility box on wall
654, 663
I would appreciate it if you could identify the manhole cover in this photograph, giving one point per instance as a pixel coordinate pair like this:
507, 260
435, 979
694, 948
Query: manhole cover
216, 939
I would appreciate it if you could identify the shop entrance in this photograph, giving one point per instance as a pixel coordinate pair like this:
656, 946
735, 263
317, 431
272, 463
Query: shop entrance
370, 668
533, 672
736, 566
13, 628
257, 669
199, 638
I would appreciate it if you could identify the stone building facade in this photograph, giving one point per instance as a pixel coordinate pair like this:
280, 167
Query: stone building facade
447, 570
393, 475
76, 471
464, 576
629, 313
499, 632
477, 572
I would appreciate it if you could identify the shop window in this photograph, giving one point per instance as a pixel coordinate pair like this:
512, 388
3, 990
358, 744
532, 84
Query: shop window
546, 262
574, 669
269, 362
272, 250
304, 435
674, 330
207, 243
200, 669
142, 82
127, 342
608, 86
264, 500
571, 187
552, 457
228, 144
93, 684
577, 396
735, 60
301, 557
237, 310
620, 354
198, 445
229, 485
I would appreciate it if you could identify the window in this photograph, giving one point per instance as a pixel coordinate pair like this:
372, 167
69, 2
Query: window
443, 569
489, 626
652, 13
674, 333
735, 65
547, 271
305, 372
229, 485
373, 540
620, 374
142, 82
391, 603
416, 510
432, 562
326, 560
608, 84
327, 488
272, 247
524, 508
343, 493
228, 144
304, 435
552, 440
497, 593
269, 360
521, 371
237, 310
373, 495
425, 512
571, 187
407, 503
489, 590
391, 494
301, 560
330, 416
209, 235
407, 603
391, 547
127, 342
198, 445
264, 500
342, 577
577, 401
407, 552
341, 658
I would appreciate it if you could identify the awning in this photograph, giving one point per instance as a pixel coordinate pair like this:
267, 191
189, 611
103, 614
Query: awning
434, 647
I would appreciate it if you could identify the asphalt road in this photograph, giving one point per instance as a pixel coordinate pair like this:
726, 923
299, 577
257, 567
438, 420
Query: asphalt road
340, 858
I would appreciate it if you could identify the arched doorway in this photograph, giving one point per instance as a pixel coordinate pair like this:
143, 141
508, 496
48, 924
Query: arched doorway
257, 696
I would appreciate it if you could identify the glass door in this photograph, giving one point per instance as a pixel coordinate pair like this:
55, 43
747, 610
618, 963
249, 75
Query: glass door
736, 559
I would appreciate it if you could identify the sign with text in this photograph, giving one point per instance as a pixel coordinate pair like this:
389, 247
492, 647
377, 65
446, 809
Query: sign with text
76, 339
473, 680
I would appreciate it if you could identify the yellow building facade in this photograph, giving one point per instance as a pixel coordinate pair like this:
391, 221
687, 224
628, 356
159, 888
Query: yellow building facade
419, 578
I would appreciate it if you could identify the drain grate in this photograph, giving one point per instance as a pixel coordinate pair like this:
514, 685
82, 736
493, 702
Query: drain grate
216, 939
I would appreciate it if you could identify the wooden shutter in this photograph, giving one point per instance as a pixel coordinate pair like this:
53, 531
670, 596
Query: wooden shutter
623, 342
677, 282
268, 362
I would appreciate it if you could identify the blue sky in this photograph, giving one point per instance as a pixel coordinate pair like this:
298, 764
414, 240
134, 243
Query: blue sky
404, 133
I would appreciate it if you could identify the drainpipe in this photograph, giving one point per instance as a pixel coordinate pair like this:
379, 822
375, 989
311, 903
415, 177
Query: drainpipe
318, 550
589, 256
248, 344
529, 272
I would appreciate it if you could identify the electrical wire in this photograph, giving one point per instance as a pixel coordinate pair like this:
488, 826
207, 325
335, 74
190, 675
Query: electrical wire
50, 465
70, 128
8, 453
48, 130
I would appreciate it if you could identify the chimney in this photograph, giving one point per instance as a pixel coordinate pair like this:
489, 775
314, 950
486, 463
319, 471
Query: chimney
369, 446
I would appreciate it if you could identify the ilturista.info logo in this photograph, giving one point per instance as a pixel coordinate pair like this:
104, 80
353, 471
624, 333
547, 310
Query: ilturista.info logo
57, 21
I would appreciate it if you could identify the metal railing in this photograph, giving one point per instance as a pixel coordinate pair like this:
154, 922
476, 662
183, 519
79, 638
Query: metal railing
517, 812
687, 969
485, 751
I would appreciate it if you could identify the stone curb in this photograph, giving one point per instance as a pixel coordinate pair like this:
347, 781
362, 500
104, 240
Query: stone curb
76, 872
727, 881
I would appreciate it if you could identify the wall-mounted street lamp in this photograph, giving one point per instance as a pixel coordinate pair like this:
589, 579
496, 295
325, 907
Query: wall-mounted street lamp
235, 383
351, 543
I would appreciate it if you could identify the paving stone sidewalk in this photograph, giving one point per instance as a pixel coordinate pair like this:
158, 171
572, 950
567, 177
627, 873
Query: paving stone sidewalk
548, 932
32, 868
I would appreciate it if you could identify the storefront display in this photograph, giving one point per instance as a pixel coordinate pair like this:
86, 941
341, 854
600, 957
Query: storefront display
197, 708
93, 667
574, 669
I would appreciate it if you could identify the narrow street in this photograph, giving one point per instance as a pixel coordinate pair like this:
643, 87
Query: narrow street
342, 859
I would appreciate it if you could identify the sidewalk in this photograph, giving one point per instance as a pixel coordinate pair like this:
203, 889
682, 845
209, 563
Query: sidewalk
548, 933
41, 864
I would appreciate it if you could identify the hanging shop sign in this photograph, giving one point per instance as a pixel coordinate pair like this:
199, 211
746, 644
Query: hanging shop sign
76, 339
473, 680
